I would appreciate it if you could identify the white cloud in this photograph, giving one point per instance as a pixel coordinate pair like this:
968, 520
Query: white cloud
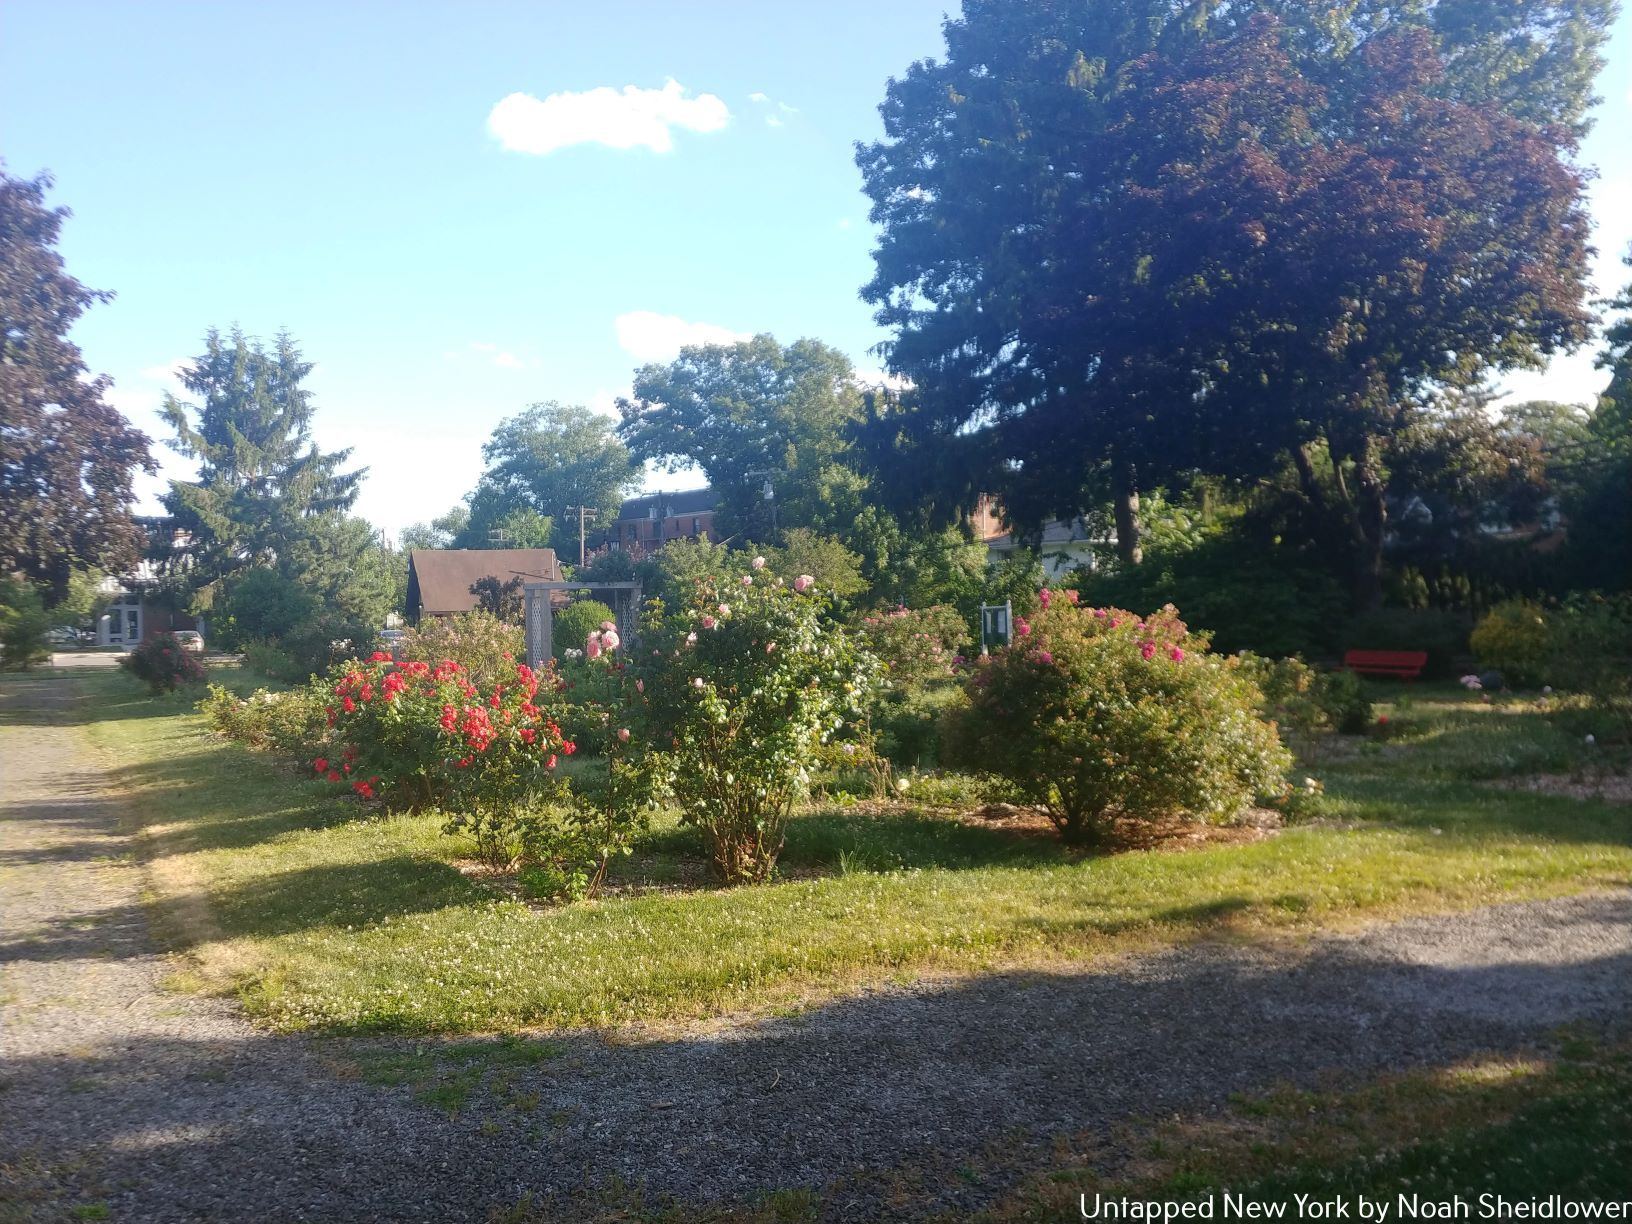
132, 401
871, 377
619, 119
648, 336
1571, 379
170, 370
772, 121
501, 358
606, 402
756, 96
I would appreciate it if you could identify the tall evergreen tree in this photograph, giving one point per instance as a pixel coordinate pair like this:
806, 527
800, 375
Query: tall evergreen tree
264, 489
67, 459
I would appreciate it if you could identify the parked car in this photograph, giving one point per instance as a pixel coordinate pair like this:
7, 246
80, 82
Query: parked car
190, 640
391, 641
62, 635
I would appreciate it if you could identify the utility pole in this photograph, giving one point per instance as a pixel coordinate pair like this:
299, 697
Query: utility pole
584, 514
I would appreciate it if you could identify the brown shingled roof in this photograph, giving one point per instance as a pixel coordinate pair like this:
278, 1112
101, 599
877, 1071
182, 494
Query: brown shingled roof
439, 579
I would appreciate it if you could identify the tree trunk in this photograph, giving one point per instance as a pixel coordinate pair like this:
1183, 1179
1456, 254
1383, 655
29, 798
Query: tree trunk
1371, 522
1126, 505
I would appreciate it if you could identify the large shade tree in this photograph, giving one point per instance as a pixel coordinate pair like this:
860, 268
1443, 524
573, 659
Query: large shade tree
542, 466
265, 494
765, 422
1128, 239
67, 459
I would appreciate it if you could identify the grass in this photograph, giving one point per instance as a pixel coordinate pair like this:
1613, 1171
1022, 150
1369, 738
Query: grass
1557, 1122
323, 917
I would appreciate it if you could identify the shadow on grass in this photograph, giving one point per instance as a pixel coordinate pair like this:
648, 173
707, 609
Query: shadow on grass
340, 895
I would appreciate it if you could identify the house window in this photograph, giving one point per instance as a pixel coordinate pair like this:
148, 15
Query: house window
695, 526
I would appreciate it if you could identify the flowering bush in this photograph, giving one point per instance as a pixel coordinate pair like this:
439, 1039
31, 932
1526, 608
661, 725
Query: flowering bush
163, 664
739, 690
292, 722
1515, 638
426, 735
1298, 697
918, 645
483, 645
1095, 713
575, 622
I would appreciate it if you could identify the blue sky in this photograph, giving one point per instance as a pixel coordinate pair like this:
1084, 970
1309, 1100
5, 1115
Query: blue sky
348, 171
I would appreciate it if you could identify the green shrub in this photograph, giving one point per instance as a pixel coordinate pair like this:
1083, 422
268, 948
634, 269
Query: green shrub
1444, 635
483, 645
163, 665
319, 644
574, 623
1591, 653
265, 606
1514, 637
1096, 713
273, 662
1245, 592
1303, 699
739, 692
290, 722
23, 623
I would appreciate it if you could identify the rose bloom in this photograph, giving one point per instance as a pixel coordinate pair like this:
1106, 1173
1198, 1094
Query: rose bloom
708, 623
758, 563
610, 639
803, 583
608, 625
623, 735
747, 581
696, 682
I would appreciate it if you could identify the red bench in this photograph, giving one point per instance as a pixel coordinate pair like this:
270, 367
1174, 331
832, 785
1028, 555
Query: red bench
1405, 665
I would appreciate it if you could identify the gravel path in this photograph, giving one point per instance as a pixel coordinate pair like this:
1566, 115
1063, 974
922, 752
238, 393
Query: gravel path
171, 1107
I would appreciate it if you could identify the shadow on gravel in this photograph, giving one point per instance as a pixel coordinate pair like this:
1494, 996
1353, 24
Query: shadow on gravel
980, 1073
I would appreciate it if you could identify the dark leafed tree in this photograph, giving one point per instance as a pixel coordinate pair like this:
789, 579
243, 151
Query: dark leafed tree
264, 490
754, 416
1128, 240
504, 600
548, 461
67, 459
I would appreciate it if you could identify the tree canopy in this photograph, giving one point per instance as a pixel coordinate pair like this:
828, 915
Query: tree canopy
1125, 240
750, 415
67, 459
541, 464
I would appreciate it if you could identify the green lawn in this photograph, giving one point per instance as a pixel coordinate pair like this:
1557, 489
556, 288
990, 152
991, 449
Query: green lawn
324, 915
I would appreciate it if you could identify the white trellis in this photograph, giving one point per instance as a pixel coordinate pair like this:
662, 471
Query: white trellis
540, 613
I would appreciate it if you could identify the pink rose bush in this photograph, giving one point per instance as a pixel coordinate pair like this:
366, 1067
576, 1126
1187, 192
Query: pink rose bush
1097, 715
737, 700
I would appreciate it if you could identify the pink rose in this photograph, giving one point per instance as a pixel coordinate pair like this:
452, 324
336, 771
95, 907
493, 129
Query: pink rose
1177, 655
697, 682
691, 638
592, 646
803, 583
758, 563
708, 623
725, 609
611, 640
608, 625
623, 735
747, 581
